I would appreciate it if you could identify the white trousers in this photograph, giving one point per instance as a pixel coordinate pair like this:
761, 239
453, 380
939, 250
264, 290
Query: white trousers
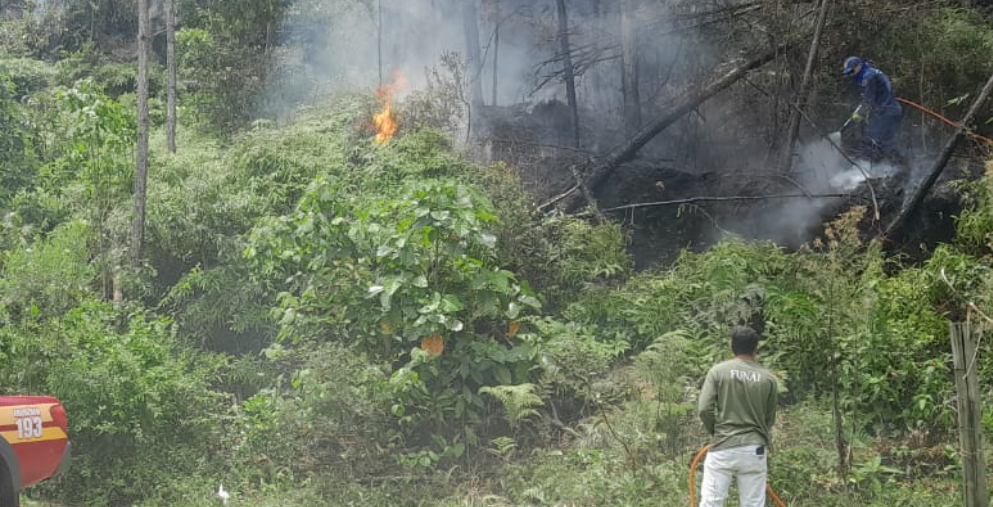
741, 462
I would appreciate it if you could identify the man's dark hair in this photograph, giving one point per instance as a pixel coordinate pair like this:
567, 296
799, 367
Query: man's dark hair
744, 341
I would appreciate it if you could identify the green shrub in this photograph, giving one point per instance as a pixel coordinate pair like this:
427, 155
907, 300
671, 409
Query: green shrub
703, 295
28, 75
48, 277
574, 365
19, 159
397, 278
945, 49
113, 78
331, 418
140, 409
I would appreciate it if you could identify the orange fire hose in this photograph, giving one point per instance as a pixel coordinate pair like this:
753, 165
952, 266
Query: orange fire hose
696, 462
946, 120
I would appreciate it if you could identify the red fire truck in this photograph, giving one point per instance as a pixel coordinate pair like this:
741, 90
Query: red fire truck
35, 443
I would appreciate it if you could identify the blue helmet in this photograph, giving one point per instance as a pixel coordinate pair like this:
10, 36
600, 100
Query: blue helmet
850, 63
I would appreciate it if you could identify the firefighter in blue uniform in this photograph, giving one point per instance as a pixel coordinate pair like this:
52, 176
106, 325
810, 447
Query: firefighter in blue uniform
879, 107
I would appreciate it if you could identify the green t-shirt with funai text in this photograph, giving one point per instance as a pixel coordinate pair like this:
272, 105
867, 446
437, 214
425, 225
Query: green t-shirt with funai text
738, 404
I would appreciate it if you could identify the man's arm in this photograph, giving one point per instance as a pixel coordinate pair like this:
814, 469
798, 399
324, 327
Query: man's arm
708, 403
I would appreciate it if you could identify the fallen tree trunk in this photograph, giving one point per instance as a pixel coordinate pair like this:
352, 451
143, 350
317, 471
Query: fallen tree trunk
726, 198
921, 191
628, 151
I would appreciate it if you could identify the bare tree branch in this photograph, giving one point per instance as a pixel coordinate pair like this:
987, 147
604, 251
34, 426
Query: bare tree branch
729, 198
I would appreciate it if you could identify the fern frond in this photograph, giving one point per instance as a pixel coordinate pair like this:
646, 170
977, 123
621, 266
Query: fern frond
520, 401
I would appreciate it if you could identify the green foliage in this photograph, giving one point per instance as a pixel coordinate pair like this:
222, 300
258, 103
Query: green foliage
574, 364
564, 255
48, 277
389, 274
225, 47
425, 257
138, 403
666, 369
72, 24
703, 294
28, 75
330, 412
18, 158
224, 99
89, 165
975, 224
596, 477
519, 401
112, 77
832, 317
945, 48
91, 141
15, 37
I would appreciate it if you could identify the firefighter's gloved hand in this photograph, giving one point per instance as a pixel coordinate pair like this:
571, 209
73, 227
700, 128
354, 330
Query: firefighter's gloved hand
857, 117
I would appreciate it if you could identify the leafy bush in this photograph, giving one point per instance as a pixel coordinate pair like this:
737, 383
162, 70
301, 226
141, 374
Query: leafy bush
945, 47
331, 417
113, 78
18, 155
49, 277
703, 294
415, 270
140, 409
664, 370
28, 75
974, 225
574, 364
564, 256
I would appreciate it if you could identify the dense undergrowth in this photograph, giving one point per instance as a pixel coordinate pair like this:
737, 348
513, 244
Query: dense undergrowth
324, 320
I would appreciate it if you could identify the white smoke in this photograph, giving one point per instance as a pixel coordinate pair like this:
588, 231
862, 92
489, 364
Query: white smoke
819, 170
822, 168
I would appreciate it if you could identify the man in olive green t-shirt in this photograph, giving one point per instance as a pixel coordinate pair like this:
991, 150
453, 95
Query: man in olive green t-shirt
738, 408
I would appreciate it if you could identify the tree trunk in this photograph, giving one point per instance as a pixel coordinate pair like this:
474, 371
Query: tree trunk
141, 155
171, 68
629, 60
470, 14
939, 165
496, 48
569, 70
697, 96
793, 131
379, 38
970, 414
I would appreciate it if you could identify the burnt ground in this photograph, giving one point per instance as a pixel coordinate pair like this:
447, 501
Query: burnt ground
535, 141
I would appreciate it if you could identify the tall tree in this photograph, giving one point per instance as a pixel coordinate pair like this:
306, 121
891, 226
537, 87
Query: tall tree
171, 67
629, 60
379, 38
793, 131
568, 71
497, 21
141, 155
470, 14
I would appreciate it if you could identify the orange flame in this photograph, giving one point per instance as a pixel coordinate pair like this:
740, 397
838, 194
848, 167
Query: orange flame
386, 121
